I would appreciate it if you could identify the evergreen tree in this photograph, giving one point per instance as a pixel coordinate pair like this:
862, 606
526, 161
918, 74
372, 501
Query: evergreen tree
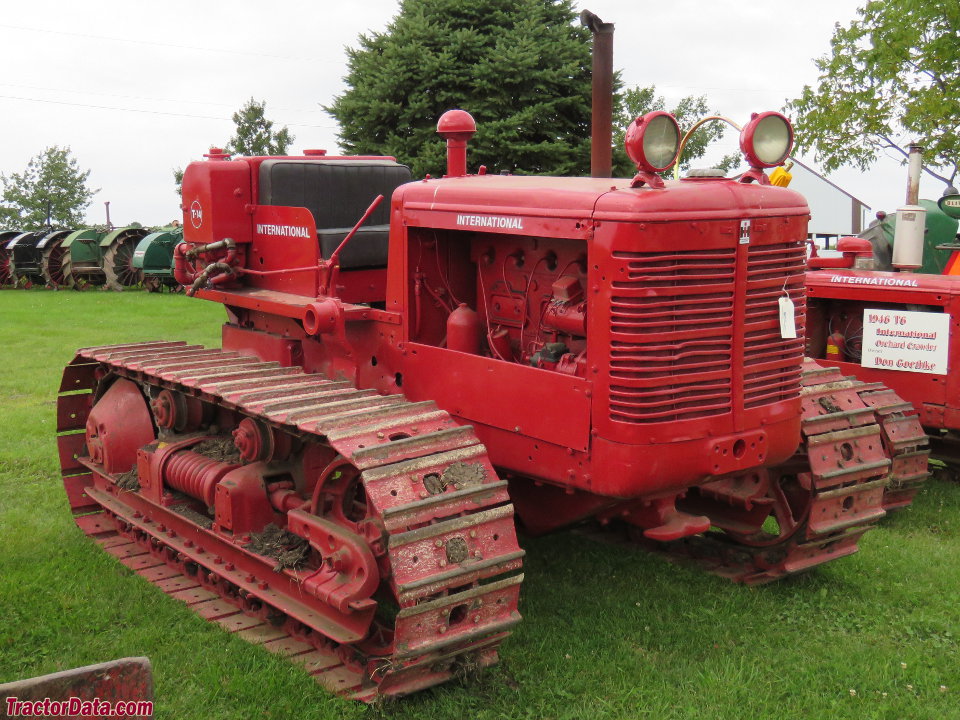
52, 191
255, 134
520, 67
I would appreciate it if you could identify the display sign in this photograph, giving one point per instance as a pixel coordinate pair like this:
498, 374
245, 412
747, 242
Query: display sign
905, 340
950, 204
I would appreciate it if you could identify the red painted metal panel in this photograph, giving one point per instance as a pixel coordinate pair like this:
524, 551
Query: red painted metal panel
362, 286
87, 691
935, 396
861, 284
216, 195
525, 400
69, 447
695, 200
284, 237
76, 486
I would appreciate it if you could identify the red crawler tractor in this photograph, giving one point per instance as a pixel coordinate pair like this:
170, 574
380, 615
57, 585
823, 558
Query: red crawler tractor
397, 381
875, 317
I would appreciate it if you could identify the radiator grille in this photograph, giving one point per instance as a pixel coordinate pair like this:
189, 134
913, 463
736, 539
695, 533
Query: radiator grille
672, 319
772, 364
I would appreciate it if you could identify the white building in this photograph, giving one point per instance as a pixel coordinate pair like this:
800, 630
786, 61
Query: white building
833, 211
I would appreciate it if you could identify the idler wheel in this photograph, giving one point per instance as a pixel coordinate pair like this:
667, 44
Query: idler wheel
175, 411
258, 442
339, 496
253, 440
788, 497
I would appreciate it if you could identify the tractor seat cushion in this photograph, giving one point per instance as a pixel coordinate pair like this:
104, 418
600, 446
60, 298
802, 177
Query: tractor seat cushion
367, 248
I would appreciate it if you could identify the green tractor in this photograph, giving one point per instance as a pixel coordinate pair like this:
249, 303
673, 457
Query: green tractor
940, 229
104, 258
154, 258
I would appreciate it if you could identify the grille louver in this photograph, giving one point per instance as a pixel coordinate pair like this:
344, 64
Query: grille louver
771, 363
671, 321
675, 322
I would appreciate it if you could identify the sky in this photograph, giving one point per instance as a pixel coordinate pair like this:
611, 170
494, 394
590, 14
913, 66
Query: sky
136, 89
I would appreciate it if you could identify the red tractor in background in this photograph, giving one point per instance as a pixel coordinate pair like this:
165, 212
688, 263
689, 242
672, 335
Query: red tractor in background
890, 324
398, 382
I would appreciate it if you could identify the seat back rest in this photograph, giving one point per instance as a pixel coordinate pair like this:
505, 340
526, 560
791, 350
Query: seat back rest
337, 192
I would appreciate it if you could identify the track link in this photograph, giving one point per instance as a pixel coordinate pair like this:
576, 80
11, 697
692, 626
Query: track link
446, 548
863, 452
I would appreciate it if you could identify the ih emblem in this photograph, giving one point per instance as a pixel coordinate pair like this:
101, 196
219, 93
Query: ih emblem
744, 232
196, 214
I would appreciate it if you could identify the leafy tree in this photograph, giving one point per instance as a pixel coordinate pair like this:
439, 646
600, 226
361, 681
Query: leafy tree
638, 101
255, 134
891, 77
52, 191
520, 67
178, 179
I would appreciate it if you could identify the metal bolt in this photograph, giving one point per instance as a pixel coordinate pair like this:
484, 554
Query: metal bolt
442, 629
473, 533
439, 543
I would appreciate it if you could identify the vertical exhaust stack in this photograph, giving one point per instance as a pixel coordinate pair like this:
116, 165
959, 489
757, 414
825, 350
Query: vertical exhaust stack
601, 120
456, 127
911, 219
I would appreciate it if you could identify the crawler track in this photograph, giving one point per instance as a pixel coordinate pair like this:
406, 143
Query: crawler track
863, 452
436, 518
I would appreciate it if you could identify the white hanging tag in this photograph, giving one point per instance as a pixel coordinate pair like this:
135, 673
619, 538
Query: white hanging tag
788, 320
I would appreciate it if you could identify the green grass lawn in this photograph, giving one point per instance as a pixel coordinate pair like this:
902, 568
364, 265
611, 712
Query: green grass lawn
607, 632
